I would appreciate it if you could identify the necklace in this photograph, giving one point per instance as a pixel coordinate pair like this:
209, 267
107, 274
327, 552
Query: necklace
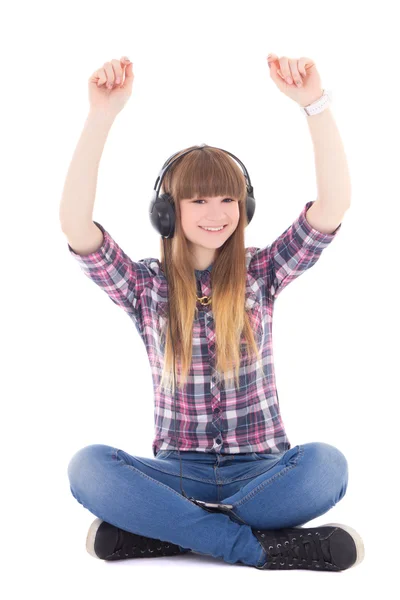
204, 300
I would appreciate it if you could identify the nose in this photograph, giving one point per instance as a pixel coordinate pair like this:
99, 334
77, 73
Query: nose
216, 218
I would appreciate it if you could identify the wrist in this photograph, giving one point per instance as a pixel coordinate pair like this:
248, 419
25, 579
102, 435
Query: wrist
309, 100
103, 116
317, 105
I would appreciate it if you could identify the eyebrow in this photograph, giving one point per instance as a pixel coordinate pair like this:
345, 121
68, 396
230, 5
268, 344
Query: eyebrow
205, 198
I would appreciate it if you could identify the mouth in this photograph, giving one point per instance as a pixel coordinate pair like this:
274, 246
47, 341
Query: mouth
214, 232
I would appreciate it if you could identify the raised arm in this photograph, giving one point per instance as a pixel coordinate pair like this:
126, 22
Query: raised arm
77, 203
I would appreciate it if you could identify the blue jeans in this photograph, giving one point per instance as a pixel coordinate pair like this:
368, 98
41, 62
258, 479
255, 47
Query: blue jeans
267, 491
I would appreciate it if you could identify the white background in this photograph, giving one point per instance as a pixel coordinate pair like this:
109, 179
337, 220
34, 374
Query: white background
75, 371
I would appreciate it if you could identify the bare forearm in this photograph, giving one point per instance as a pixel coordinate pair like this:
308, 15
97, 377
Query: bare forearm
333, 177
79, 192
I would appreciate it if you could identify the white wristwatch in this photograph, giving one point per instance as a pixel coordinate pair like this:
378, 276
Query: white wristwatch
319, 105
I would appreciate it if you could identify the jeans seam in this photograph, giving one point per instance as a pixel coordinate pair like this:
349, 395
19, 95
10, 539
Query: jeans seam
158, 482
264, 484
243, 477
263, 556
156, 468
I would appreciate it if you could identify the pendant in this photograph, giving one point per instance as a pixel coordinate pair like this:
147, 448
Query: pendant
204, 300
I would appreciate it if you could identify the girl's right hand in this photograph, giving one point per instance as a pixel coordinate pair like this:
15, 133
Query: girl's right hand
111, 101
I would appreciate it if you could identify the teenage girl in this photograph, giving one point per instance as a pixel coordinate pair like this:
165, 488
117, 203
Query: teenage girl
217, 297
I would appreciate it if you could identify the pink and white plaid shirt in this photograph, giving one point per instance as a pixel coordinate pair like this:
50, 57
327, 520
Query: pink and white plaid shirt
210, 416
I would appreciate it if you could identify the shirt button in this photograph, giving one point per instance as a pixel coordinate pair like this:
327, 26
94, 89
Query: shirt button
212, 347
219, 440
216, 410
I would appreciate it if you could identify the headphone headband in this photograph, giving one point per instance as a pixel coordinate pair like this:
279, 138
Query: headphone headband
167, 165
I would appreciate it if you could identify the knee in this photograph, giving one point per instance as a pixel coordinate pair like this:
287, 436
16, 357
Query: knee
330, 466
85, 462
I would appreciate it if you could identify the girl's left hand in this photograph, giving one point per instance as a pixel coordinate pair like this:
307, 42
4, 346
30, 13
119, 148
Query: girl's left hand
301, 70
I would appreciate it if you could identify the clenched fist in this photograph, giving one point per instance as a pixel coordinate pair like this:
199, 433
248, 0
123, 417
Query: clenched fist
110, 87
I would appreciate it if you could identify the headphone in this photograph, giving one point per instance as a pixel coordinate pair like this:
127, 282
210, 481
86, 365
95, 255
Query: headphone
162, 217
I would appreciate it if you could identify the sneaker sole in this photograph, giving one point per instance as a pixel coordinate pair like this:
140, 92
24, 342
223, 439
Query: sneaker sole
91, 536
357, 540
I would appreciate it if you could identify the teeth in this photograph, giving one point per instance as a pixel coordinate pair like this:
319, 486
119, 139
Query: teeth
213, 228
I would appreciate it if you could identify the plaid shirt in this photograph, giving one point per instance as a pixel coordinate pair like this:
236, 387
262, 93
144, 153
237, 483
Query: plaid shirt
210, 416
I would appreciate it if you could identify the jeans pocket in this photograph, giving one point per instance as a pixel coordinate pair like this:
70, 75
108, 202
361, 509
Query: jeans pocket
267, 455
260, 455
163, 454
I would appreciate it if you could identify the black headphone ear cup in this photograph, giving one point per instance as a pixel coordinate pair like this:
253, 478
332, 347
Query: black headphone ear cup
162, 215
250, 208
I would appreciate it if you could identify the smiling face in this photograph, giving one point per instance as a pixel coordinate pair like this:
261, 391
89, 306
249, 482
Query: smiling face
208, 212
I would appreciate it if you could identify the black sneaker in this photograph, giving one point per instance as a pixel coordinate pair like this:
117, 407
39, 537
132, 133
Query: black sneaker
108, 542
331, 547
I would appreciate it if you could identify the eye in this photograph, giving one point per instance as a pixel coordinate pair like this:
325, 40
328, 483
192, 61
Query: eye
204, 200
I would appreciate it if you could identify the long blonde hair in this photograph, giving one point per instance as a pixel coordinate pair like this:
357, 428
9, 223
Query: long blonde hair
207, 172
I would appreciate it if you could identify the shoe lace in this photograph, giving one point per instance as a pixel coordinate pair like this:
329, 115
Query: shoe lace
307, 548
141, 545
